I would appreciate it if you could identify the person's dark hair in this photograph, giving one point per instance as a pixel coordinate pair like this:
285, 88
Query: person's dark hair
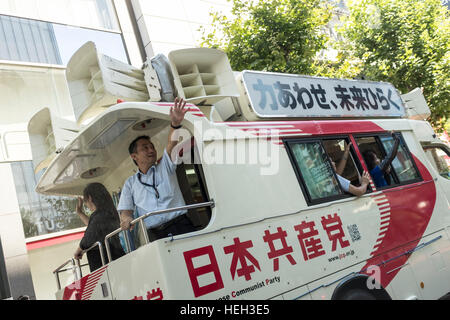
369, 158
101, 198
132, 148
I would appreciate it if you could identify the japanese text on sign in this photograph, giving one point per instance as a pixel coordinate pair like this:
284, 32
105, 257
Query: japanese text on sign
284, 95
244, 263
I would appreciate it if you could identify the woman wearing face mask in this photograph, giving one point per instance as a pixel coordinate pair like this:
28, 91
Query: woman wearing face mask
103, 220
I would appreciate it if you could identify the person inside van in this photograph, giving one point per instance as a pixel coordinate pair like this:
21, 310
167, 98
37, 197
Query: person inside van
155, 185
379, 168
341, 165
103, 220
350, 188
346, 185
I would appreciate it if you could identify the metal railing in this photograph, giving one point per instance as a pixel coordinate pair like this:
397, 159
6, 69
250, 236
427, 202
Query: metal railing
76, 267
100, 248
143, 227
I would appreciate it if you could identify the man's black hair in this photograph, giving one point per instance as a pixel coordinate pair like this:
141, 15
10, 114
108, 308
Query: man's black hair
369, 157
133, 145
132, 148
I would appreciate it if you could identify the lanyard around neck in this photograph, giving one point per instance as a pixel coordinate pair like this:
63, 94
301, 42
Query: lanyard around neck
150, 185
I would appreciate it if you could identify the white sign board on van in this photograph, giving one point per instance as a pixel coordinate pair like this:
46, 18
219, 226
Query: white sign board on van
288, 95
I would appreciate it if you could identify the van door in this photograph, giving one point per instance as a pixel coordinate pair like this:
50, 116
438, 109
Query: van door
439, 157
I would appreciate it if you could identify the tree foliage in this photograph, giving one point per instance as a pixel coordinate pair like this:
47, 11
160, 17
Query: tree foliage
405, 42
272, 35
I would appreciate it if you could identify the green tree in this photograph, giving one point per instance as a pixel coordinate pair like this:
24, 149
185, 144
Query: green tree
405, 42
271, 35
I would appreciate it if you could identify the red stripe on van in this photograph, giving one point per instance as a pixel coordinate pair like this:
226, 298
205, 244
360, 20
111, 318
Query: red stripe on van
314, 127
54, 241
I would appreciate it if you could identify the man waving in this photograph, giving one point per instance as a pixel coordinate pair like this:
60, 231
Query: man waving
155, 186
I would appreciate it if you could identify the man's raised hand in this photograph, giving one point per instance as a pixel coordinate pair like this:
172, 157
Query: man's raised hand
178, 111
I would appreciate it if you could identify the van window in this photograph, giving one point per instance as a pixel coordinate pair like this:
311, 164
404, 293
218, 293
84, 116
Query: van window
313, 167
439, 159
402, 169
374, 144
402, 164
335, 148
191, 181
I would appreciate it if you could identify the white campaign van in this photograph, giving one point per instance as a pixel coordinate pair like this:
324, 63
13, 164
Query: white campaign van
255, 171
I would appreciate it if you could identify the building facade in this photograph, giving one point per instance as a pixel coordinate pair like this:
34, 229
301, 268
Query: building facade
37, 38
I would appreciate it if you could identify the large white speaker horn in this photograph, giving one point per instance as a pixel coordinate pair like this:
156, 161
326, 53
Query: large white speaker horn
416, 105
97, 81
48, 136
202, 76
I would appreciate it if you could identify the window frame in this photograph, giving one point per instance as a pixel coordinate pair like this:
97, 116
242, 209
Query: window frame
353, 153
198, 169
403, 144
288, 142
442, 147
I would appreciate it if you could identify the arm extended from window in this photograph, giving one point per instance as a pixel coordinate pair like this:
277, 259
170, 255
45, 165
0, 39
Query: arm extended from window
388, 160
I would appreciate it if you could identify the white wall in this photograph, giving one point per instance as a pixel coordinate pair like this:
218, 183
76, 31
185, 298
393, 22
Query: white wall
12, 237
173, 24
25, 88
44, 261
128, 33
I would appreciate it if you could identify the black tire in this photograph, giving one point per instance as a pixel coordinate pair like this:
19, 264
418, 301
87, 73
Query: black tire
357, 294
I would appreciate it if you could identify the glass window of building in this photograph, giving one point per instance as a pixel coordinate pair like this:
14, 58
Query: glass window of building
27, 40
35, 41
96, 14
70, 39
41, 214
